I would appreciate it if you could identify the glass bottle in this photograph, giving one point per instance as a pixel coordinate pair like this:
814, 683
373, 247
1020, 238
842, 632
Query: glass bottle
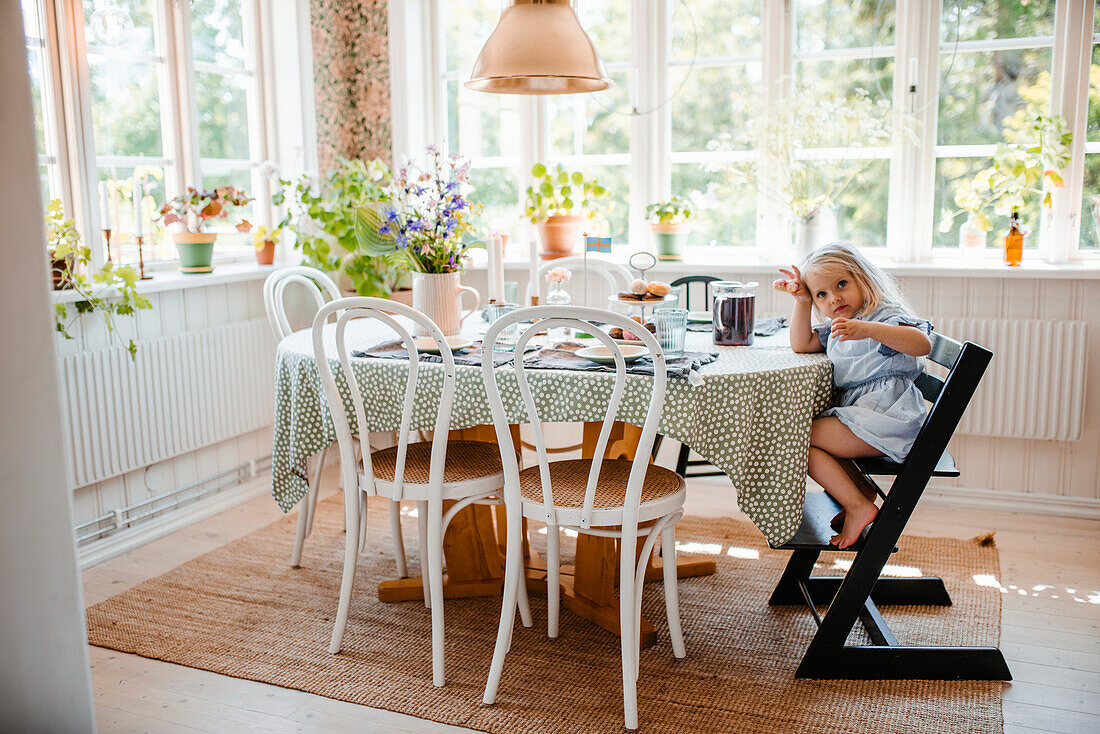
1014, 242
971, 240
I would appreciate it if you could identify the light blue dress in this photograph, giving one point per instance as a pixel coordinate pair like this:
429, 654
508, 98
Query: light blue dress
876, 397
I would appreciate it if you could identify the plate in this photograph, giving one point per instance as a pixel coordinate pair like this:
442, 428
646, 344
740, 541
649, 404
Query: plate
427, 345
699, 317
614, 298
603, 355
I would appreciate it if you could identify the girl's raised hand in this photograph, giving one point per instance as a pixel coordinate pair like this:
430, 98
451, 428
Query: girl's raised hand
792, 284
850, 329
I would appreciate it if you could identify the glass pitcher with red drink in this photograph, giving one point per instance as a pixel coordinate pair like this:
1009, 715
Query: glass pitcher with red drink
734, 315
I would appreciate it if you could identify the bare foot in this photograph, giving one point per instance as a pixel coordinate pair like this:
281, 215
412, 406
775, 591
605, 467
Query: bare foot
854, 523
838, 519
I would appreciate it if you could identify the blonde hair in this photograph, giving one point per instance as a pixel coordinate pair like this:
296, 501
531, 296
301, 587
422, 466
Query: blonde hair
877, 287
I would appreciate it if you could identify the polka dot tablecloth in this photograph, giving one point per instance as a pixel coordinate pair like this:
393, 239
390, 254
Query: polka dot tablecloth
749, 415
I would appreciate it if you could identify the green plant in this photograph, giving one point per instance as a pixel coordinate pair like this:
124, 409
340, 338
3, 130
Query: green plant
110, 291
558, 192
1019, 169
324, 224
676, 210
425, 223
195, 208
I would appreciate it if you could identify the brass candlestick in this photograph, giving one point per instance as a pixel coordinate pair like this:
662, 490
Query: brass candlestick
107, 237
141, 259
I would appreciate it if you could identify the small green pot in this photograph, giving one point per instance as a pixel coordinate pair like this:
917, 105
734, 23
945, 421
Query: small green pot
196, 251
670, 240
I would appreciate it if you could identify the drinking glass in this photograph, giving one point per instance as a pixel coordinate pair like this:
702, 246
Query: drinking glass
671, 324
506, 340
511, 291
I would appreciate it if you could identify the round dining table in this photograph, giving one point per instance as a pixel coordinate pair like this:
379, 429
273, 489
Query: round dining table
748, 412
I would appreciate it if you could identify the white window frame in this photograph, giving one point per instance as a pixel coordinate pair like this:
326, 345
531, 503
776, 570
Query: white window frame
416, 66
71, 134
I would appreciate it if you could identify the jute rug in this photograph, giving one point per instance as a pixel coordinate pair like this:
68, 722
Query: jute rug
241, 611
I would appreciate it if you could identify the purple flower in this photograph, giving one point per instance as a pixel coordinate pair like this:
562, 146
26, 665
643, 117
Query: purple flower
384, 230
391, 215
402, 241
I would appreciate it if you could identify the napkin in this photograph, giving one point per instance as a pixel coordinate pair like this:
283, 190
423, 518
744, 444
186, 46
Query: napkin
470, 356
565, 358
762, 327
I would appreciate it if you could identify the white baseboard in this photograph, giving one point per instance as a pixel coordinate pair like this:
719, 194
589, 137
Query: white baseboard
125, 541
1082, 508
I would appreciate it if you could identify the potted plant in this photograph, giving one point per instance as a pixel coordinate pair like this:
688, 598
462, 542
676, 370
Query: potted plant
324, 226
669, 222
557, 204
110, 291
264, 243
194, 209
424, 226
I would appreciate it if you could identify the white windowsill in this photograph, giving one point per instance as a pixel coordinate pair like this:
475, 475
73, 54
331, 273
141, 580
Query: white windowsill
718, 264
170, 280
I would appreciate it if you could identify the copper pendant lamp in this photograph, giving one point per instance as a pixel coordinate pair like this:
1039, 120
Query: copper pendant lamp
538, 47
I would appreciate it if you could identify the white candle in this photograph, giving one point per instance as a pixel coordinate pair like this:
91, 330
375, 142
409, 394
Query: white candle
491, 268
534, 275
105, 206
914, 69
498, 248
139, 190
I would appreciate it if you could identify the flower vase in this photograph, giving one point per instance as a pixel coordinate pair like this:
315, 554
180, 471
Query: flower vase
971, 240
438, 296
558, 296
812, 231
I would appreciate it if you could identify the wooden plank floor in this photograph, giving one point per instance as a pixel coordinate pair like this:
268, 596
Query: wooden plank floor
1050, 570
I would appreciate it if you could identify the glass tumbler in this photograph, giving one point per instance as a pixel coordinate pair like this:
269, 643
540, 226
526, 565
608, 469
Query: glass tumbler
506, 340
671, 330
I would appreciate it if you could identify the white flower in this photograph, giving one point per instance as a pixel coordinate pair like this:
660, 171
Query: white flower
269, 169
558, 275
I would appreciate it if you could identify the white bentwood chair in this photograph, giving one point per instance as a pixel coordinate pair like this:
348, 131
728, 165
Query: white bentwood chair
593, 496
612, 276
322, 290
427, 472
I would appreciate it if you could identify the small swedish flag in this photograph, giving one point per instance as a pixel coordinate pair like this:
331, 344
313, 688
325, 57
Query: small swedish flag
597, 244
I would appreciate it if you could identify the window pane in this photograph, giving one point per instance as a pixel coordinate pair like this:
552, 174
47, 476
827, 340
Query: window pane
217, 32
1093, 124
607, 23
826, 24
616, 206
713, 101
125, 107
36, 70
731, 220
467, 25
223, 116
715, 28
950, 173
835, 79
861, 208
119, 180
592, 124
983, 93
1090, 212
497, 190
981, 20
123, 24
481, 125
32, 19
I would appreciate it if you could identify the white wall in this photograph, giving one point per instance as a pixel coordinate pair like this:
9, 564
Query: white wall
45, 683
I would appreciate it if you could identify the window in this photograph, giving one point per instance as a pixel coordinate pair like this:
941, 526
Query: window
171, 98
689, 71
995, 61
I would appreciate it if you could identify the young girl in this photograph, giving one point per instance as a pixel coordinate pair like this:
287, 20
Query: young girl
874, 343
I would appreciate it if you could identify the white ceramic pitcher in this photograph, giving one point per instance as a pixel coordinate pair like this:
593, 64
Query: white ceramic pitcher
438, 296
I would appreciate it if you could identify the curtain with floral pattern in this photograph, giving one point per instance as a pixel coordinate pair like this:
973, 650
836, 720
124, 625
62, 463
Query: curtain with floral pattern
351, 73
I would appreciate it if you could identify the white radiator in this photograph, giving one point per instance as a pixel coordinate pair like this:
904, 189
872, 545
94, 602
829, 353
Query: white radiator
1035, 385
181, 393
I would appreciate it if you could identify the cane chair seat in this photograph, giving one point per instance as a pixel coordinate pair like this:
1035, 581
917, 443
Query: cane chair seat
468, 462
570, 477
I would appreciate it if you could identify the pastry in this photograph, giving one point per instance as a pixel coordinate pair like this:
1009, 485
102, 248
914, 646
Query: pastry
638, 287
659, 289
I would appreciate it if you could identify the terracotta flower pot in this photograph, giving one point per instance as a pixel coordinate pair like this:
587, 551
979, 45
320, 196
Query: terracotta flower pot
266, 256
559, 236
670, 240
196, 251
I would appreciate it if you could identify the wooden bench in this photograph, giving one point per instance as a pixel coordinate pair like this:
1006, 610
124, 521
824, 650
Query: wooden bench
858, 594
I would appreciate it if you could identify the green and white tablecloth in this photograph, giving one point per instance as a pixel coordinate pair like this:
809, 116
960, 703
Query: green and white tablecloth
749, 416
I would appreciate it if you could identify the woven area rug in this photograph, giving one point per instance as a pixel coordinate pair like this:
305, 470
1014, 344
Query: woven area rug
241, 611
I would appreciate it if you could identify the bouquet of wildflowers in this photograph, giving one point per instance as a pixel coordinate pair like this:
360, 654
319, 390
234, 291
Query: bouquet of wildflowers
427, 217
